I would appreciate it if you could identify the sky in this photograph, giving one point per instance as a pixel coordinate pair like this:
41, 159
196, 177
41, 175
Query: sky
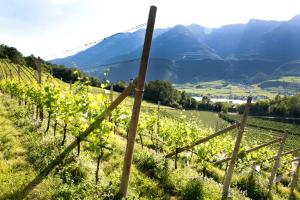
47, 28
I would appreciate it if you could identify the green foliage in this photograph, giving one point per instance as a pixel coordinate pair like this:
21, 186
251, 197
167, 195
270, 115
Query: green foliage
254, 186
11, 53
74, 172
279, 106
193, 190
293, 129
149, 163
166, 93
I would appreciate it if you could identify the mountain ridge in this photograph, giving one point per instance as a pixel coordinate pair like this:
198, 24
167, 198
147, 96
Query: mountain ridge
236, 52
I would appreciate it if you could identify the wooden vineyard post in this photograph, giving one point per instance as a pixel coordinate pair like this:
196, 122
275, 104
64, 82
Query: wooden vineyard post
294, 180
70, 85
111, 95
10, 74
111, 98
234, 157
137, 103
19, 73
39, 73
176, 158
10, 77
277, 161
19, 81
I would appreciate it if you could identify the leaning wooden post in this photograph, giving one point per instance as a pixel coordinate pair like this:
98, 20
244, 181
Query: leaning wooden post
251, 150
234, 157
137, 103
285, 153
202, 140
70, 84
277, 161
294, 180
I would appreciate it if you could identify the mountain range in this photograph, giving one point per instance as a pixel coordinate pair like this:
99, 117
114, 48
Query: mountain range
248, 53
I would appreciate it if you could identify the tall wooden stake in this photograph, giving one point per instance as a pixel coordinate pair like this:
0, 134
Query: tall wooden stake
10, 74
19, 81
234, 157
39, 71
277, 161
19, 73
137, 103
111, 95
294, 180
111, 100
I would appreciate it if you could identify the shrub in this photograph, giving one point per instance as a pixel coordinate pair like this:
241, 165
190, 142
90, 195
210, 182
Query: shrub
148, 163
215, 173
193, 190
156, 167
73, 173
253, 186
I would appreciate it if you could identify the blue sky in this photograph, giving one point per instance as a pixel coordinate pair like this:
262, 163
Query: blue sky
48, 27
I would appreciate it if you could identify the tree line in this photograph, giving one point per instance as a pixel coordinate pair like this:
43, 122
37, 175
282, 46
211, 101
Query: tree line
168, 95
280, 106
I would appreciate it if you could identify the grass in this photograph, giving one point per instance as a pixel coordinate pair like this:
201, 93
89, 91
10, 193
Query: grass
265, 130
226, 89
204, 119
290, 79
216, 88
15, 168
